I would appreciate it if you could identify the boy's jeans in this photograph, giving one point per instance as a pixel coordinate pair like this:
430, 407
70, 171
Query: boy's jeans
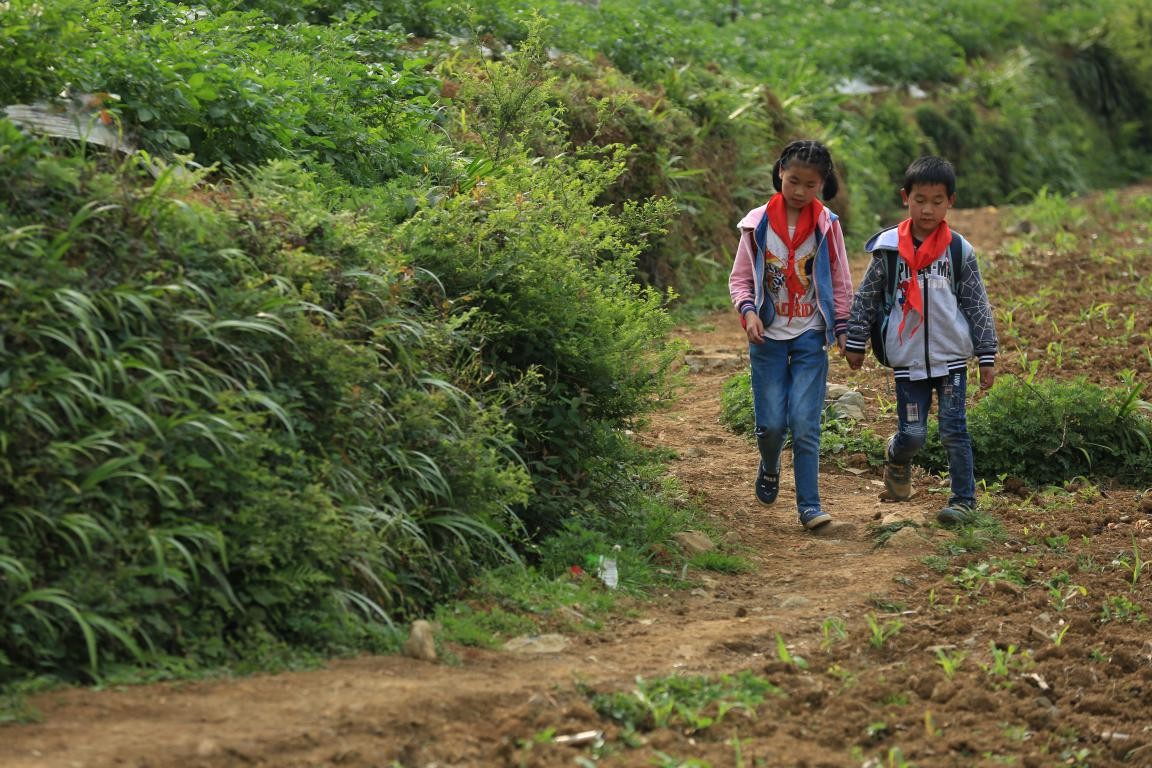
913, 399
789, 379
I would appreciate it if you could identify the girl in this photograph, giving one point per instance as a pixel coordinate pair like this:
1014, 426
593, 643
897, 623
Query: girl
791, 284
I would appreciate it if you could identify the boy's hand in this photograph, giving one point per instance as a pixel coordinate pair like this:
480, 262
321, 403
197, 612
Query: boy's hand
855, 360
987, 376
841, 340
753, 327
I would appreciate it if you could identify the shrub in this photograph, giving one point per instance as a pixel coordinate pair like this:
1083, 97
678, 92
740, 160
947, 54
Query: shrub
532, 273
222, 425
1048, 432
349, 97
736, 404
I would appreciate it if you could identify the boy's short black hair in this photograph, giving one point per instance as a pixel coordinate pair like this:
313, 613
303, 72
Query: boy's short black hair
930, 170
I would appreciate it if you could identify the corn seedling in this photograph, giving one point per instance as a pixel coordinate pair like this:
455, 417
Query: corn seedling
786, 656
930, 729
1061, 598
737, 745
950, 662
881, 633
1003, 661
846, 677
833, 630
896, 759
1135, 565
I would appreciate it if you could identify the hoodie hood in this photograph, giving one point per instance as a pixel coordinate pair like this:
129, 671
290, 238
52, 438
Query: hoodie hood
885, 239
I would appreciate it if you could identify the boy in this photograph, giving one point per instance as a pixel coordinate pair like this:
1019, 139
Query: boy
936, 322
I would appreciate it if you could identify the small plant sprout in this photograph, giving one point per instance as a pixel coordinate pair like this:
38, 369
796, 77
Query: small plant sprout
1061, 598
1058, 636
876, 730
846, 677
950, 661
834, 631
881, 633
1130, 322
1120, 608
1135, 565
930, 729
896, 759
1004, 660
786, 656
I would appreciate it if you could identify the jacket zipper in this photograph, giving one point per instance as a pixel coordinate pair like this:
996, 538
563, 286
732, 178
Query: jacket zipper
924, 293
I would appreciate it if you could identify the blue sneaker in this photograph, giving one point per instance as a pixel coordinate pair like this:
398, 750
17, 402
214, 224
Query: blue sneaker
955, 515
814, 518
767, 486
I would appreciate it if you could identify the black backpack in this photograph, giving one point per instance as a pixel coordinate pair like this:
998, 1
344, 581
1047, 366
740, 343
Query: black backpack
879, 327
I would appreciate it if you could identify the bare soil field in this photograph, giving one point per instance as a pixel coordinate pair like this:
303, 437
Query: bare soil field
1032, 651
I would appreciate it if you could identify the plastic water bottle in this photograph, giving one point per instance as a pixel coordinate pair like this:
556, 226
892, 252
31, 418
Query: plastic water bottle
608, 572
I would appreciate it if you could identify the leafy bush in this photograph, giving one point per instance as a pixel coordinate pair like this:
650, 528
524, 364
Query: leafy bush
736, 411
529, 270
33, 35
222, 425
1048, 432
347, 97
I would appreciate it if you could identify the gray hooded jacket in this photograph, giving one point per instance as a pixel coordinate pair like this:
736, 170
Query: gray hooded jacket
956, 325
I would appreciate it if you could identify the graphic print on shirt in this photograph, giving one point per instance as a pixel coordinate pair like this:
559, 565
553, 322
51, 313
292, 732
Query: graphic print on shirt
938, 273
775, 286
939, 269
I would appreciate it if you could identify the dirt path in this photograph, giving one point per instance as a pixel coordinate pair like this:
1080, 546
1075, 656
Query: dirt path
492, 708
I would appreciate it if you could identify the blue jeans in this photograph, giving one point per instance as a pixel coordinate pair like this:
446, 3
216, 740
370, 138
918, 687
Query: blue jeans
789, 379
913, 399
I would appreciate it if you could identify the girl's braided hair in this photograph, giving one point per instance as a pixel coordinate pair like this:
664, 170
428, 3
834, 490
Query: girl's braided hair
811, 153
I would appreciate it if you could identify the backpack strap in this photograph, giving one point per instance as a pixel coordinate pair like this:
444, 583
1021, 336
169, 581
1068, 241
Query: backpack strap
956, 252
891, 256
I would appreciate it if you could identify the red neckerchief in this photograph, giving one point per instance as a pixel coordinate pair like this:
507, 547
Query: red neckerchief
777, 212
917, 259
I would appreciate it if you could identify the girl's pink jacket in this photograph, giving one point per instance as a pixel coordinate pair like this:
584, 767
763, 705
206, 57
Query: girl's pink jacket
830, 271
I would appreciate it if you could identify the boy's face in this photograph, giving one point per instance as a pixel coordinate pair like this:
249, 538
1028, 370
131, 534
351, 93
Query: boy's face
928, 204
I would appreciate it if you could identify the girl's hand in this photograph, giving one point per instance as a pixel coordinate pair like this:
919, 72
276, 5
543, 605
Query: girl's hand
841, 341
855, 360
753, 327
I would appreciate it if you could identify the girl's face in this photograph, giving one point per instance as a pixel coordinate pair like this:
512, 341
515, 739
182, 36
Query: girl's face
800, 184
928, 204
